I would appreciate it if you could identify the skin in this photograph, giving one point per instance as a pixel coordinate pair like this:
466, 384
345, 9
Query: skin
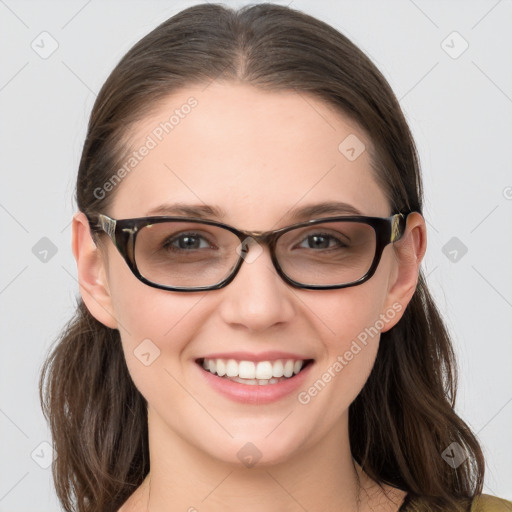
242, 148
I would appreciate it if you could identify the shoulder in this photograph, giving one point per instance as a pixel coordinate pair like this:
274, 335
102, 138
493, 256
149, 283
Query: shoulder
488, 503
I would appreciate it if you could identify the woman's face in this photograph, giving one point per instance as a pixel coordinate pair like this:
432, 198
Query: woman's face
257, 156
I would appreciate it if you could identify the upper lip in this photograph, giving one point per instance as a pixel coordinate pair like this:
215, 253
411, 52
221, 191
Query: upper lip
262, 356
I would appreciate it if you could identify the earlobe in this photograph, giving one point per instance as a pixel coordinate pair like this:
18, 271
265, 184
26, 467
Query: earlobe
92, 277
409, 251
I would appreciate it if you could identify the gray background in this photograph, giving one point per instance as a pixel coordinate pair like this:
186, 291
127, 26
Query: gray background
459, 106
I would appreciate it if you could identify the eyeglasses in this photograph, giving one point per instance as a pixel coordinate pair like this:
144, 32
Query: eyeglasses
190, 254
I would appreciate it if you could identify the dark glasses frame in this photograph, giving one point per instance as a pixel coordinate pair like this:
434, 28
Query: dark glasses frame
123, 233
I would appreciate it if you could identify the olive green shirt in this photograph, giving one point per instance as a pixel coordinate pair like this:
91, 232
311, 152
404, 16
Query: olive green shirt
482, 503
488, 503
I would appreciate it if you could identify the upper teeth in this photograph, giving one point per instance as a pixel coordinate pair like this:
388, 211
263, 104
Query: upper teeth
251, 370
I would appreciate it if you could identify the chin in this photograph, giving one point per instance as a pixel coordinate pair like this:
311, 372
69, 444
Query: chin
259, 450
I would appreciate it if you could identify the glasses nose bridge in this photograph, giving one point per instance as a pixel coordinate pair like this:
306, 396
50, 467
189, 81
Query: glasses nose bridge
267, 238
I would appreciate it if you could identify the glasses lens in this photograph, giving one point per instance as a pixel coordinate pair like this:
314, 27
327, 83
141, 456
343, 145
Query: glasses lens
330, 253
195, 255
185, 254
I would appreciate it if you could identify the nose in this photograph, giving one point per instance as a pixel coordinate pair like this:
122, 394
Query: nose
257, 298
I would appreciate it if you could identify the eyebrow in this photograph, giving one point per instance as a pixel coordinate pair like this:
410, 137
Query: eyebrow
204, 211
201, 211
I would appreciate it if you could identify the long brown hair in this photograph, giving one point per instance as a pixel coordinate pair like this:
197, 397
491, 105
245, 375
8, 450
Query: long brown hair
404, 417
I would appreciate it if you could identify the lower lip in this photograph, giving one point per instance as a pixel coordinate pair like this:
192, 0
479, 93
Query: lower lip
255, 394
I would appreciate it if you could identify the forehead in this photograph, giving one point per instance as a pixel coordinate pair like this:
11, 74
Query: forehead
253, 154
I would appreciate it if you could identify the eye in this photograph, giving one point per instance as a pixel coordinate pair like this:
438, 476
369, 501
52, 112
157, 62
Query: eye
186, 241
322, 241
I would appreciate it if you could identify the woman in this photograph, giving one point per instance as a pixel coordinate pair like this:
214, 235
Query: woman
214, 366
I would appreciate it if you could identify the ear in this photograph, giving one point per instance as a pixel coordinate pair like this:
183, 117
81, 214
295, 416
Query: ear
409, 252
92, 275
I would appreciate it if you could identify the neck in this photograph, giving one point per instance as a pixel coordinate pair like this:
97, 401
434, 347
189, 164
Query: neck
323, 477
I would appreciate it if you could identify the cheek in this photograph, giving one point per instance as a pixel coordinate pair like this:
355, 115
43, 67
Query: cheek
351, 320
155, 326
142, 311
347, 314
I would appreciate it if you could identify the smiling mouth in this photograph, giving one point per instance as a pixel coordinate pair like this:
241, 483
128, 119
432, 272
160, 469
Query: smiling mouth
251, 373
